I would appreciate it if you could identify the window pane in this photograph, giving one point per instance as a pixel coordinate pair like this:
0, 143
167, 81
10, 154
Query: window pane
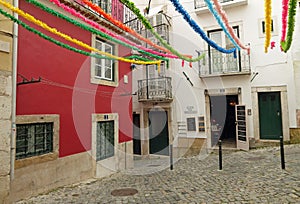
232, 63
30, 140
109, 139
98, 61
108, 63
108, 48
98, 45
159, 19
21, 141
40, 138
98, 71
216, 56
108, 74
152, 71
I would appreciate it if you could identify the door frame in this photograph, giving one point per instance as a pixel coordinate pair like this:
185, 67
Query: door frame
217, 92
166, 126
145, 142
139, 132
284, 110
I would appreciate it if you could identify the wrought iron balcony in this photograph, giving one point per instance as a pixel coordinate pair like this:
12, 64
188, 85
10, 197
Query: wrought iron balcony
201, 6
216, 64
162, 30
131, 20
112, 7
158, 89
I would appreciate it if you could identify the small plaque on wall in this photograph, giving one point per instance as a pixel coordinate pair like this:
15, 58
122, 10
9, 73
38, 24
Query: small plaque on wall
201, 124
191, 124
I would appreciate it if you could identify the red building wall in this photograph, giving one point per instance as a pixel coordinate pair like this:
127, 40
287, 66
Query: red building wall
65, 88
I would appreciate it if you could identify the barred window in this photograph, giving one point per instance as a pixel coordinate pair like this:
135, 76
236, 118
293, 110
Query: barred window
105, 140
34, 139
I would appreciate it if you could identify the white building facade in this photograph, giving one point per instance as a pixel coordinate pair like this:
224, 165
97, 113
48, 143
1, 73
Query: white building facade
245, 100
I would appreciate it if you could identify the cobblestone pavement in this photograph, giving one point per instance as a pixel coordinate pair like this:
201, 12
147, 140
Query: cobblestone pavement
247, 177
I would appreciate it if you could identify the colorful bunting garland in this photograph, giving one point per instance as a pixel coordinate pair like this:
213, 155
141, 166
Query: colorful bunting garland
148, 26
96, 25
220, 22
122, 26
268, 23
92, 30
285, 7
229, 28
70, 39
285, 45
197, 29
46, 37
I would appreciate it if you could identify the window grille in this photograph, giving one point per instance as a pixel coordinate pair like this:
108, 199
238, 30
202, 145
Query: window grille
34, 139
105, 140
105, 5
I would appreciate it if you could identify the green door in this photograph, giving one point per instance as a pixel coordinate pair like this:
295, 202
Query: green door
158, 133
270, 121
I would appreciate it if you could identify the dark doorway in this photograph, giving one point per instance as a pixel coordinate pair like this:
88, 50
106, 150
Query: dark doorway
222, 114
270, 119
136, 134
158, 133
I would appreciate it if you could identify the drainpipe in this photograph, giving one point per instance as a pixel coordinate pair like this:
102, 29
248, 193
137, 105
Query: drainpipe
14, 94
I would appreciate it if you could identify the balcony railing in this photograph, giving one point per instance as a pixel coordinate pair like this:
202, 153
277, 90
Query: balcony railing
158, 89
131, 20
162, 30
201, 5
215, 64
112, 7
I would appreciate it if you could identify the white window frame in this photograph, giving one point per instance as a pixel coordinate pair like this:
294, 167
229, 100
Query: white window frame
104, 66
113, 79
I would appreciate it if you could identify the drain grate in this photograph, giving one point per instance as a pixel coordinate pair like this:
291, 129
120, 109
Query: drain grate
153, 165
124, 192
256, 158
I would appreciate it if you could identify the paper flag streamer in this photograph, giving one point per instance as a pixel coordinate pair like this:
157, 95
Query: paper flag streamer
198, 29
70, 39
285, 45
98, 32
229, 28
148, 26
268, 23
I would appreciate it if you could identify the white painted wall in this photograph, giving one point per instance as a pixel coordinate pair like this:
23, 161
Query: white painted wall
296, 58
274, 68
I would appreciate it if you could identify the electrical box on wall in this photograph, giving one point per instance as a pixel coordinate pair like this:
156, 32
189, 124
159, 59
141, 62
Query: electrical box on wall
4, 46
125, 79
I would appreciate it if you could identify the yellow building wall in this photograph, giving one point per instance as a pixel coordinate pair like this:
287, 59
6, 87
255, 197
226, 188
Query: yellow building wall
6, 53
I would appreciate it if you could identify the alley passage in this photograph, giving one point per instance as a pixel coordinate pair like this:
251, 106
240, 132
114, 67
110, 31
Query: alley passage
247, 177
